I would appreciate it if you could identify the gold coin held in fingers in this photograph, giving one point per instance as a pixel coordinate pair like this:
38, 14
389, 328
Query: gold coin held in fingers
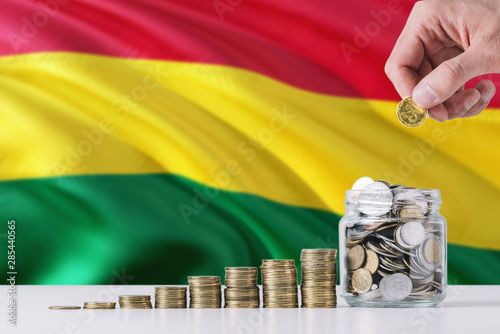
409, 114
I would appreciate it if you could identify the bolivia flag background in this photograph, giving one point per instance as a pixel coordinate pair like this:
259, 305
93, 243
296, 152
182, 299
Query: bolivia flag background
142, 141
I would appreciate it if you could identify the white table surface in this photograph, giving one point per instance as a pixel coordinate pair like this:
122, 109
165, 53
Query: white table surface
467, 309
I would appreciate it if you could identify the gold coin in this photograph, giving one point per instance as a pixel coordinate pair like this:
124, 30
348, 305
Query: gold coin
205, 291
180, 289
356, 257
409, 114
371, 261
411, 211
279, 284
362, 280
351, 243
135, 301
267, 263
99, 305
170, 297
432, 251
64, 307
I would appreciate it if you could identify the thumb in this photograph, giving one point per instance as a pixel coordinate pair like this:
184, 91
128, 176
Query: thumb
446, 79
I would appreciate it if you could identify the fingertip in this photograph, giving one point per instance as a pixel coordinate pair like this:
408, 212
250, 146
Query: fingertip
438, 113
469, 103
461, 102
473, 98
404, 79
486, 89
485, 85
424, 96
488, 95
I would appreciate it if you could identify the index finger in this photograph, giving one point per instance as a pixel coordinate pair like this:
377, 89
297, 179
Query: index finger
405, 59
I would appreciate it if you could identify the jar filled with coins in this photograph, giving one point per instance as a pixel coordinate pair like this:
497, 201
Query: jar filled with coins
392, 246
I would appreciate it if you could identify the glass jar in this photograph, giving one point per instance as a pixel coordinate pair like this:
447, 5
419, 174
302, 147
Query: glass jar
392, 247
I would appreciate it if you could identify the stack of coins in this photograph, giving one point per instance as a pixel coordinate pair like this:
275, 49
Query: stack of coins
170, 297
395, 249
279, 283
241, 288
99, 305
204, 292
135, 302
319, 276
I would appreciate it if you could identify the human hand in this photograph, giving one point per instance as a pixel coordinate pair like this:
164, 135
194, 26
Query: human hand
444, 44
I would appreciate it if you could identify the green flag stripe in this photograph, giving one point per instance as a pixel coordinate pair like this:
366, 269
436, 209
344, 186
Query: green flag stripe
160, 228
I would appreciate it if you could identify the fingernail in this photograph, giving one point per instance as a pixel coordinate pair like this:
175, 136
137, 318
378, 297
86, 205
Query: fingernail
424, 96
489, 95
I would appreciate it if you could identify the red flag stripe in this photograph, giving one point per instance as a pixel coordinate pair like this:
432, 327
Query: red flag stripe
331, 47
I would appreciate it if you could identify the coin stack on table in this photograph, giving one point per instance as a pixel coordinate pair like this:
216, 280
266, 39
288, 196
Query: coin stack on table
395, 242
204, 292
170, 297
135, 302
279, 283
66, 307
241, 288
319, 276
99, 305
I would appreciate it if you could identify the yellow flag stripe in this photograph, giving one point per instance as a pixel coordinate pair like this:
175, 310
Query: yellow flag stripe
70, 114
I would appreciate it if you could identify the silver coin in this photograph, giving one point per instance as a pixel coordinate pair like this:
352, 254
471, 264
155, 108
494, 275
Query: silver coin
412, 233
378, 251
410, 196
395, 287
380, 236
375, 199
421, 254
361, 183
387, 269
396, 248
417, 267
399, 239
391, 266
